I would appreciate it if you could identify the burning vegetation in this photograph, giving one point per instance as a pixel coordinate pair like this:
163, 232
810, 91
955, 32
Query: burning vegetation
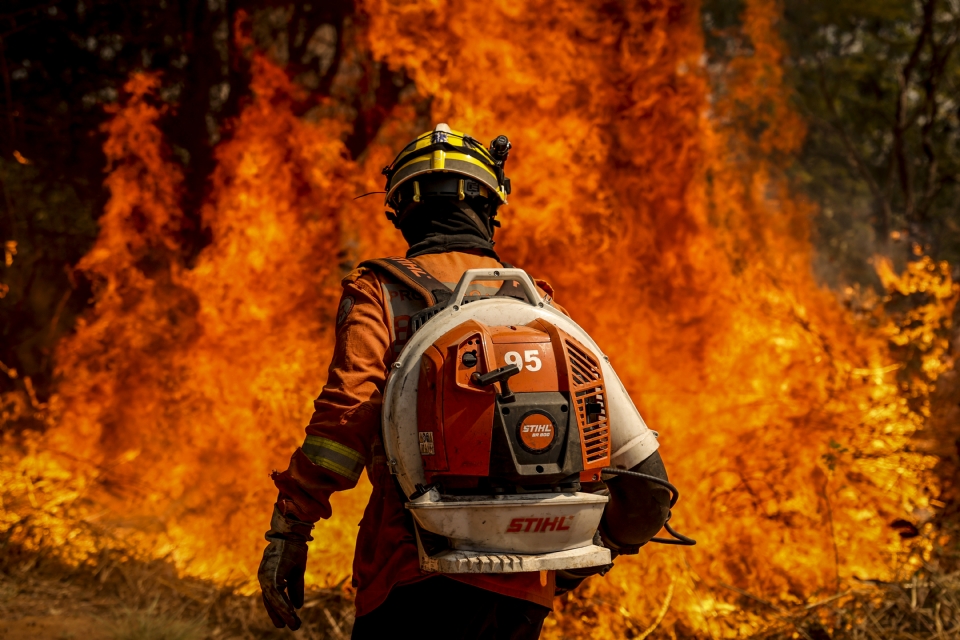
789, 415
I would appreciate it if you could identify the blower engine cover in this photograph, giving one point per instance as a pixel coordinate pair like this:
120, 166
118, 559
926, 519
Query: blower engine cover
496, 411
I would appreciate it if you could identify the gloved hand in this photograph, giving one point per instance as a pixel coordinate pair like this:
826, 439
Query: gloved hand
282, 568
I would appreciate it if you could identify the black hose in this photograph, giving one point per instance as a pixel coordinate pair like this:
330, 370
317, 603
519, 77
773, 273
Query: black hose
674, 492
678, 538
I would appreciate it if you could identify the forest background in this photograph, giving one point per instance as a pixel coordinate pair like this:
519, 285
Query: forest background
832, 137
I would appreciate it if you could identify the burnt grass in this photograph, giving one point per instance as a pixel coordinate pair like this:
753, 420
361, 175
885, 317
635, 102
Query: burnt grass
132, 600
119, 599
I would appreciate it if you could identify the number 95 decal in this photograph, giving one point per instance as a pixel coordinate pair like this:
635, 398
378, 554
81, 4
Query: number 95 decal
531, 358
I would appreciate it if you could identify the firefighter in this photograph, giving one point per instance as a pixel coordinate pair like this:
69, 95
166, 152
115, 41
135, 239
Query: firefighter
445, 205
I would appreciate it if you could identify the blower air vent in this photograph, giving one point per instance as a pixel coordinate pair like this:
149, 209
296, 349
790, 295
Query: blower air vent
589, 400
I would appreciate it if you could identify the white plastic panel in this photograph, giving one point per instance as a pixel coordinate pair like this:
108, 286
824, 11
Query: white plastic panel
631, 440
473, 562
524, 524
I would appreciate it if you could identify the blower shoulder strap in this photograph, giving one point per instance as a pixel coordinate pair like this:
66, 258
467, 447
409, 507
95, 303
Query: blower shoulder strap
509, 287
414, 276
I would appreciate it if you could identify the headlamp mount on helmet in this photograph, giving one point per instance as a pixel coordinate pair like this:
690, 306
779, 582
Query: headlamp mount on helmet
448, 164
499, 150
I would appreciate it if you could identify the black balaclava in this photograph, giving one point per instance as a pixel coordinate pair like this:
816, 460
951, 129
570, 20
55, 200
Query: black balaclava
438, 225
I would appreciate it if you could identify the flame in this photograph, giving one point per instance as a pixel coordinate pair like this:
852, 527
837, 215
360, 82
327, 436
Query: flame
669, 231
183, 386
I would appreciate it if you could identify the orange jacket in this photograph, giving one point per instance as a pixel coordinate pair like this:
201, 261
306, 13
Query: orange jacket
343, 436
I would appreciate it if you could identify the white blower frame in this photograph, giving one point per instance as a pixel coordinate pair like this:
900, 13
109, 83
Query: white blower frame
477, 527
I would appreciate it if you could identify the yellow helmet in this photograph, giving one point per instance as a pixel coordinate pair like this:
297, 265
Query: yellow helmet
447, 163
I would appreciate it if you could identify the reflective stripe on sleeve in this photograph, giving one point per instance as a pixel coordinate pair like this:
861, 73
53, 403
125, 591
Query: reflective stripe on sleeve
334, 456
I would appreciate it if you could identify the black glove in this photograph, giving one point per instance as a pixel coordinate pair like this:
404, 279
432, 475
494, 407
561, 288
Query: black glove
282, 568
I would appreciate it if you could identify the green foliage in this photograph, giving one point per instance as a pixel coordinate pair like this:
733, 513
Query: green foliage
877, 84
52, 228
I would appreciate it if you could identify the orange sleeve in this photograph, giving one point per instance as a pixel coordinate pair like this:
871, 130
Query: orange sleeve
346, 421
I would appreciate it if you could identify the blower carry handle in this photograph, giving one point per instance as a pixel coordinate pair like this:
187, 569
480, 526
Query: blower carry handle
504, 274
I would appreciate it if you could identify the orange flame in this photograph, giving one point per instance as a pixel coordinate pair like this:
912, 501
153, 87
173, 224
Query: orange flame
670, 234
197, 377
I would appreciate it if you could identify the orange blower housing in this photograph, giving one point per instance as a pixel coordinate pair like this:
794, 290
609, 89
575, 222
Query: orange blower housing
543, 428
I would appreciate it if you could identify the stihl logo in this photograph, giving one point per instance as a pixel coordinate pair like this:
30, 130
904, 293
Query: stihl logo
538, 430
539, 525
412, 266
